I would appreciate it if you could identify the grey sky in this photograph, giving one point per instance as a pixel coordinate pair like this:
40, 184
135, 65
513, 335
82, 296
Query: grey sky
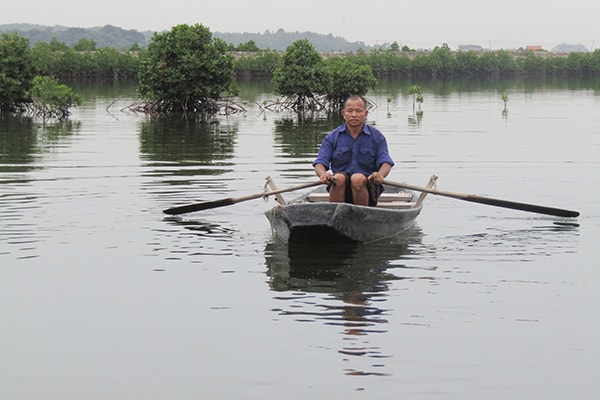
419, 24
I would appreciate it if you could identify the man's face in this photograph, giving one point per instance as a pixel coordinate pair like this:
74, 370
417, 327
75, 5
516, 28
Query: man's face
355, 113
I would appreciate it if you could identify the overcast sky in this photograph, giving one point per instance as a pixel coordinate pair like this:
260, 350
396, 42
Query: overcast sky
419, 24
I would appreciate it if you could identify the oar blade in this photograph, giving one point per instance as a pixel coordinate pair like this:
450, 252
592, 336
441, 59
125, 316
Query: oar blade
557, 212
206, 205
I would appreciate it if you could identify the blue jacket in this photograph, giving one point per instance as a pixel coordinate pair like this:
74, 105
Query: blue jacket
365, 154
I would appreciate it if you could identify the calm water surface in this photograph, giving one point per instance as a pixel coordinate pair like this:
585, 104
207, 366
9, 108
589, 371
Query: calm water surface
104, 297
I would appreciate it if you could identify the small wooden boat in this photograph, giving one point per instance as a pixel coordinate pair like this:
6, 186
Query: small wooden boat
312, 217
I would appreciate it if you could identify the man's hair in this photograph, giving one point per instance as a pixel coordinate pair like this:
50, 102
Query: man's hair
356, 97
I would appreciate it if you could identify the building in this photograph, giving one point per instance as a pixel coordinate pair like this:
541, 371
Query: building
536, 47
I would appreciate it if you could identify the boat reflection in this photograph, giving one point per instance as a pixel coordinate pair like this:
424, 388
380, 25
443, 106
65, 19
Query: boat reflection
335, 268
343, 285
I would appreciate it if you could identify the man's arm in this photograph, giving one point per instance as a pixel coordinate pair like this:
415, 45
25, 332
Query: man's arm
381, 174
322, 173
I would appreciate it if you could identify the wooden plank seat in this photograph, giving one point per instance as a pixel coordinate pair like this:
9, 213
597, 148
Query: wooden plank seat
396, 204
385, 198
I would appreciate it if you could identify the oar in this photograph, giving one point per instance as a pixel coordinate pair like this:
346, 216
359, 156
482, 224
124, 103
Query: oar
490, 201
205, 205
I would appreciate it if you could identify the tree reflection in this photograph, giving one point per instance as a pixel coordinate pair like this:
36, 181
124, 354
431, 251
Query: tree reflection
301, 136
181, 141
23, 139
18, 139
343, 285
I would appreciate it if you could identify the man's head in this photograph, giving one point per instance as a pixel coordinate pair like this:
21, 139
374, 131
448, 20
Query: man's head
355, 111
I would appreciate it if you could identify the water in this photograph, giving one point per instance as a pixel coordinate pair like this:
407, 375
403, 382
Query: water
103, 296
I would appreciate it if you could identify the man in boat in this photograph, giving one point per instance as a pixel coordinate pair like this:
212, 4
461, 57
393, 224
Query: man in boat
353, 159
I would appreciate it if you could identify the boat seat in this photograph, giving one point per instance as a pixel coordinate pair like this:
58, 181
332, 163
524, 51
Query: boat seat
400, 197
396, 204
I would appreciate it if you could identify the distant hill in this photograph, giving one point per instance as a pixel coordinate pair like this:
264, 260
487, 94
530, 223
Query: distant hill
106, 36
115, 37
280, 40
570, 48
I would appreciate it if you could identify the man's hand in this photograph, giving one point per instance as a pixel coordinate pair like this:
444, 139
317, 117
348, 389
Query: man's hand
376, 178
325, 178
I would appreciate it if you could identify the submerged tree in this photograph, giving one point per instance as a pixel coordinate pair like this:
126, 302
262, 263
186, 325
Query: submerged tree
51, 99
348, 79
312, 84
417, 95
185, 70
302, 76
21, 91
16, 72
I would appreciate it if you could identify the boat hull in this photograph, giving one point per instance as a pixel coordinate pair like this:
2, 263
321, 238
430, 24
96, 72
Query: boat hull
304, 222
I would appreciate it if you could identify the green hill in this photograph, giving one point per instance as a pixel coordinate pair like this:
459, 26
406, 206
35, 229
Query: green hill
115, 37
280, 40
106, 36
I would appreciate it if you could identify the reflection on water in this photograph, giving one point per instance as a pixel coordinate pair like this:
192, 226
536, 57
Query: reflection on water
336, 267
480, 293
301, 136
348, 286
444, 87
201, 228
513, 245
22, 139
183, 153
343, 285
189, 140
193, 239
23, 143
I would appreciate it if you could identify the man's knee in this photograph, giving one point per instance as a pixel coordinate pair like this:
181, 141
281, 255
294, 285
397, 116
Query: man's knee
339, 179
358, 181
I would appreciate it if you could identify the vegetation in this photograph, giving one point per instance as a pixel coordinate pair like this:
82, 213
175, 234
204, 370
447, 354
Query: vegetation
302, 76
121, 39
59, 60
383, 62
249, 46
106, 36
348, 78
16, 72
416, 92
50, 99
312, 84
86, 58
188, 69
185, 70
21, 90
280, 40
386, 60
85, 44
442, 62
261, 64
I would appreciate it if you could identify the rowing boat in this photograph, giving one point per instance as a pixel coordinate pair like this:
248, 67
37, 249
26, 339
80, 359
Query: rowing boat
351, 224
312, 217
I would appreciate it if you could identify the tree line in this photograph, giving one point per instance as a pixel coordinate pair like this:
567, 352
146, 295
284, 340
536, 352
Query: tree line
85, 60
443, 62
188, 69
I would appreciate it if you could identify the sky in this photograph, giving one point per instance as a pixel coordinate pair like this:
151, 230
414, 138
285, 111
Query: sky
425, 24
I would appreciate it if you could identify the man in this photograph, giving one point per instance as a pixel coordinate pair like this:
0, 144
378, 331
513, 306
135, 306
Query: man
357, 154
